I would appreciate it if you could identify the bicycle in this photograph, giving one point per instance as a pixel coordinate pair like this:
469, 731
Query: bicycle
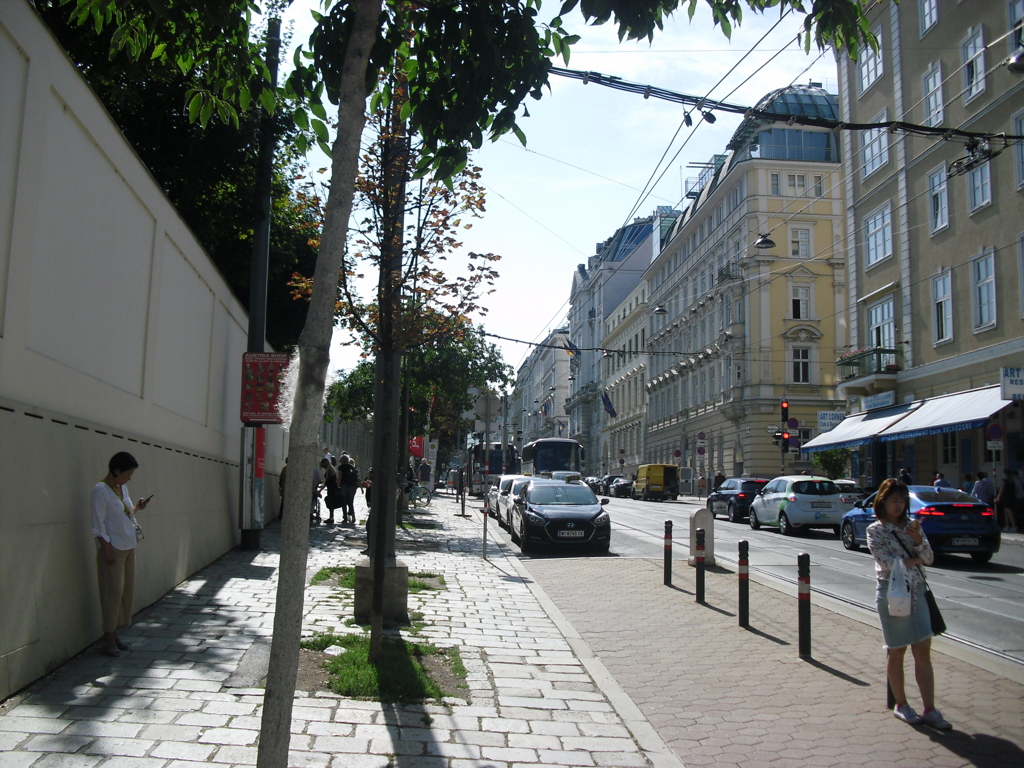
419, 496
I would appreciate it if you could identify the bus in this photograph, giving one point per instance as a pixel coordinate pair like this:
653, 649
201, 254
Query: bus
552, 454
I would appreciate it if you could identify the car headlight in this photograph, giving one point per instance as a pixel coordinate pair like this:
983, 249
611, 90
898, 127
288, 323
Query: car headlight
601, 519
533, 517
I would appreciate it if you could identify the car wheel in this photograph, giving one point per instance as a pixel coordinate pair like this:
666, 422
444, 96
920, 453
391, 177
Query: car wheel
755, 524
849, 538
643, 495
733, 517
785, 527
981, 557
525, 546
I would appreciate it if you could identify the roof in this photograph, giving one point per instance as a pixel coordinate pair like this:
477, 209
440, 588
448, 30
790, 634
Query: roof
809, 100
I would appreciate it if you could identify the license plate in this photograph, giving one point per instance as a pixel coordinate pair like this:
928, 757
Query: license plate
571, 534
821, 504
965, 542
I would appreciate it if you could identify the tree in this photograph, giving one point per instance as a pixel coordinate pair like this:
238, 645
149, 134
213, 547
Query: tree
833, 462
470, 66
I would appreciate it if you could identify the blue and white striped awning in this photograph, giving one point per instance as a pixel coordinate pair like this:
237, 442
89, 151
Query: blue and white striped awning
859, 429
947, 413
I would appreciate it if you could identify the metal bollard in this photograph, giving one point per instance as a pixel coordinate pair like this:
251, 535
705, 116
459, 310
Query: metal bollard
803, 575
744, 574
699, 561
668, 553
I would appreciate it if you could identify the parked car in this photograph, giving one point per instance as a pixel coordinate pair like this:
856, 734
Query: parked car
552, 512
594, 483
492, 499
953, 521
851, 492
621, 488
606, 483
507, 498
734, 496
797, 502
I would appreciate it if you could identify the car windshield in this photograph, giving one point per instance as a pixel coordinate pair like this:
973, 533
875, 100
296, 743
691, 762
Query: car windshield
945, 497
562, 494
755, 485
815, 488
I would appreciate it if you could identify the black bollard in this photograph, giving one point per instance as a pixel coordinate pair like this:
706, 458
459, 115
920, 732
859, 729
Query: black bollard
803, 577
699, 561
744, 574
668, 553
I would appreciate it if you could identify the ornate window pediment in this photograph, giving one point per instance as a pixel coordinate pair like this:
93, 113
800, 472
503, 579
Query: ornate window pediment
803, 334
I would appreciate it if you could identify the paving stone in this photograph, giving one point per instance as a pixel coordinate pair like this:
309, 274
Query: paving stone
180, 750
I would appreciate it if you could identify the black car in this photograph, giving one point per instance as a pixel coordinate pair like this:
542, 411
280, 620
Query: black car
733, 497
621, 487
553, 512
605, 483
953, 521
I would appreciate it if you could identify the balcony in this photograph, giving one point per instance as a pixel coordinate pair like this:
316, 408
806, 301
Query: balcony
866, 371
729, 272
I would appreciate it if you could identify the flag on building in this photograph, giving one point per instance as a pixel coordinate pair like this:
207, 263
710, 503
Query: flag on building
608, 405
561, 426
571, 348
544, 409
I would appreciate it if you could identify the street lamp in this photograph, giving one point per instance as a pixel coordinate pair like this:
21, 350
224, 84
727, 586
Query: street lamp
764, 242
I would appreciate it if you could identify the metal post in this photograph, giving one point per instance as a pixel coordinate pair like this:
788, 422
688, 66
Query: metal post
803, 574
699, 560
668, 553
744, 574
486, 515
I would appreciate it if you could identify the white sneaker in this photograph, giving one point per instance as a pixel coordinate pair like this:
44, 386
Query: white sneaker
906, 713
935, 719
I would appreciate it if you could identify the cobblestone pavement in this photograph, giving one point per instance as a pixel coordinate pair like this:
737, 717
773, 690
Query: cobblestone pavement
722, 696
536, 696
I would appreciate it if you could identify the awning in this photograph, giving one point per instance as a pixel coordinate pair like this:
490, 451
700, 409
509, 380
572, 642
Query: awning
947, 413
859, 429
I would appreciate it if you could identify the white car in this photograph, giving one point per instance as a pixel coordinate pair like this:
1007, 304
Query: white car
797, 502
492, 500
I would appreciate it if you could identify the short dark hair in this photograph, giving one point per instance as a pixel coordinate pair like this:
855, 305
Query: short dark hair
122, 461
887, 489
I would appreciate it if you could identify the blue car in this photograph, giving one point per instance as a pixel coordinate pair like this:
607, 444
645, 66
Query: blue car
953, 521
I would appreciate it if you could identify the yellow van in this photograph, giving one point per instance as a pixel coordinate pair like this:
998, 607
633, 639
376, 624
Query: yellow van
656, 481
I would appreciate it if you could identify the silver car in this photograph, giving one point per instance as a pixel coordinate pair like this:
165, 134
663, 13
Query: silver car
797, 502
492, 500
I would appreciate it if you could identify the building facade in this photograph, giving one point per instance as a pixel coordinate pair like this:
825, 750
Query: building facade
935, 239
748, 297
542, 385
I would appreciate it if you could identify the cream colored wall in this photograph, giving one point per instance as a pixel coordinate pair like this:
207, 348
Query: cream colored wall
116, 333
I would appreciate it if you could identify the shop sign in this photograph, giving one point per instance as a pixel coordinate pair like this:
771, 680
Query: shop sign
829, 420
882, 400
1011, 383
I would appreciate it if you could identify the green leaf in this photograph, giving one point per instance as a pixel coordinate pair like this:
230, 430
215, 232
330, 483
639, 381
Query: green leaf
267, 100
320, 130
158, 50
519, 134
325, 148
406, 110
206, 112
318, 109
193, 107
244, 96
301, 119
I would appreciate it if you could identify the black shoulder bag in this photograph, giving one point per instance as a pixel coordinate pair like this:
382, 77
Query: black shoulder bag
938, 624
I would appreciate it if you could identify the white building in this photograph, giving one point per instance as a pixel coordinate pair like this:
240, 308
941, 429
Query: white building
542, 384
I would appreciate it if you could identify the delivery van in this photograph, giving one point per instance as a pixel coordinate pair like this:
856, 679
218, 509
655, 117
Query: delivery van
656, 481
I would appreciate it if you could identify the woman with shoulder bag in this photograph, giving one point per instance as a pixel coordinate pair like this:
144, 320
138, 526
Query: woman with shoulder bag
333, 499
895, 537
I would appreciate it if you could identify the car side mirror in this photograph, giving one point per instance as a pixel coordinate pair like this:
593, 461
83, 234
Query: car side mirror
604, 501
858, 504
504, 493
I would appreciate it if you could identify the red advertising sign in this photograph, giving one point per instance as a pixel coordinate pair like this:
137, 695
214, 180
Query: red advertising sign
416, 446
261, 386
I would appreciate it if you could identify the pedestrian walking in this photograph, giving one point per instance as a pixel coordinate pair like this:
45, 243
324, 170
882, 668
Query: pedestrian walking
424, 474
318, 484
905, 477
1006, 501
893, 536
968, 484
117, 534
940, 481
719, 479
983, 489
348, 481
333, 495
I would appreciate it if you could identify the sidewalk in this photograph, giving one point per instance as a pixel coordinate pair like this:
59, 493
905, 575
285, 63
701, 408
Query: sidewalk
174, 700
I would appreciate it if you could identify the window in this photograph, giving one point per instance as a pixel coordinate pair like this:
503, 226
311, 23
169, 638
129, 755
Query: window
800, 243
801, 366
819, 184
881, 325
979, 187
932, 82
874, 147
878, 236
929, 14
1018, 126
943, 297
1015, 11
801, 302
797, 184
776, 184
938, 199
949, 447
972, 56
983, 280
869, 68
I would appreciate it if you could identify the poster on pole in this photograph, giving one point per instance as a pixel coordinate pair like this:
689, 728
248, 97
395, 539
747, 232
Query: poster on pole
261, 386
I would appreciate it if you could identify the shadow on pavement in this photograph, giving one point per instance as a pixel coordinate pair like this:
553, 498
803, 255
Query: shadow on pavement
833, 671
766, 636
981, 749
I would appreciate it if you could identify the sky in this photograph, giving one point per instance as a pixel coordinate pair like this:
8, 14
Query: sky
591, 150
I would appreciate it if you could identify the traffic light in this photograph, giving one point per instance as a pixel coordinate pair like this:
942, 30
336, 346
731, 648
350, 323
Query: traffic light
785, 441
785, 411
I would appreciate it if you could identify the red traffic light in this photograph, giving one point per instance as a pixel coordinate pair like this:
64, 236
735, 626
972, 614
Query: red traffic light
785, 436
785, 411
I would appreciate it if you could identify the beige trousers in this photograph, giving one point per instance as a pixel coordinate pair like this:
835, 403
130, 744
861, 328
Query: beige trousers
117, 588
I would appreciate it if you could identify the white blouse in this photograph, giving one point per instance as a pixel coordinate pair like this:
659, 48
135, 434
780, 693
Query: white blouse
882, 541
110, 519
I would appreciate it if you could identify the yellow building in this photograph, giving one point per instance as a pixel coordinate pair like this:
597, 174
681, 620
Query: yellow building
747, 300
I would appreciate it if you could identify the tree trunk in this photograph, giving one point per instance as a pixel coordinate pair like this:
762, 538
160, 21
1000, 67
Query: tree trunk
314, 354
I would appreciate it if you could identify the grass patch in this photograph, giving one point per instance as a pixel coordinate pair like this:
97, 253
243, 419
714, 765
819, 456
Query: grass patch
426, 575
346, 577
402, 675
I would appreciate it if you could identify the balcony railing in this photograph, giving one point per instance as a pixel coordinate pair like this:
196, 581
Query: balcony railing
869, 362
729, 272
774, 152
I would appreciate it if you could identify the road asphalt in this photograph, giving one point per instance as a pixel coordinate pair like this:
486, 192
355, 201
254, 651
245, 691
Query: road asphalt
573, 660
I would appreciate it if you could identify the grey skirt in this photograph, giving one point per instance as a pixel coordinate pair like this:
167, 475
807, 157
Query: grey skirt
901, 631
